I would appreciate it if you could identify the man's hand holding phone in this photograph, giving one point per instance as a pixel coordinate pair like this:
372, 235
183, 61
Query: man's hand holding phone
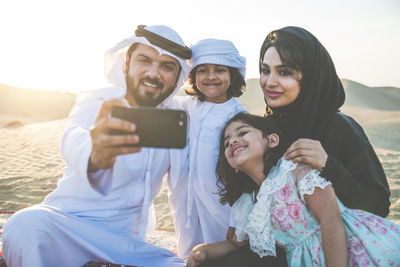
106, 147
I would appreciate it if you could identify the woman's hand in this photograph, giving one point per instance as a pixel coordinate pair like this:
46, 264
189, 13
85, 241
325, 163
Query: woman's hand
197, 256
307, 151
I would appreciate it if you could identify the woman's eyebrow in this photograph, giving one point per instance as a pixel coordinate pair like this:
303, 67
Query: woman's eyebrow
282, 66
277, 66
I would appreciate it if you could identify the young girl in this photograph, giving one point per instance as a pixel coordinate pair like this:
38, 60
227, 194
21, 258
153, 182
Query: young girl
216, 77
293, 207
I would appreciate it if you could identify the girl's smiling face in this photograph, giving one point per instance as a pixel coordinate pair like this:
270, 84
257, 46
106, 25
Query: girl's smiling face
213, 81
244, 145
280, 84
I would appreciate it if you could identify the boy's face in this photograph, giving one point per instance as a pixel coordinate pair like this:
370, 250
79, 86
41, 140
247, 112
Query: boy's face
213, 81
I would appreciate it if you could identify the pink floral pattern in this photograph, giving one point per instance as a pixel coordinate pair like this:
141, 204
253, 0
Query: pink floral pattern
284, 194
371, 240
279, 214
294, 211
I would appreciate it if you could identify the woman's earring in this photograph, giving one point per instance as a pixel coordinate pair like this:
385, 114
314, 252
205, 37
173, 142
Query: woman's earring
268, 111
236, 171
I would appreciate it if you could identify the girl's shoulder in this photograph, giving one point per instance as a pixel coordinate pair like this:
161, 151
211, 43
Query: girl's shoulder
277, 177
284, 170
282, 167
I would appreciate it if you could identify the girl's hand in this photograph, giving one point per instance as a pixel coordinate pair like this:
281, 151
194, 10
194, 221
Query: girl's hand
203, 252
307, 151
197, 256
230, 233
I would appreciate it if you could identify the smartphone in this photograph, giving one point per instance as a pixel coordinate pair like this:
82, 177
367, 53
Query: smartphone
164, 128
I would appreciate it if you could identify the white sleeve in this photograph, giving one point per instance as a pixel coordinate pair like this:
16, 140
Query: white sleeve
76, 142
308, 179
179, 102
232, 221
242, 109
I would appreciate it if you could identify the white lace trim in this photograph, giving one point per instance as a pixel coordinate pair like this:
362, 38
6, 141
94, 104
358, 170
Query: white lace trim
307, 184
240, 210
254, 220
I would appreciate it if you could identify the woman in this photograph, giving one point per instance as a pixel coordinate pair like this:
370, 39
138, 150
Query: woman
301, 89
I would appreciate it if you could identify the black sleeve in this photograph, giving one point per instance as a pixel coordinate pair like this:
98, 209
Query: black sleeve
354, 169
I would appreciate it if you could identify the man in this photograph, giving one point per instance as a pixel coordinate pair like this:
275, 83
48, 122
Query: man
99, 210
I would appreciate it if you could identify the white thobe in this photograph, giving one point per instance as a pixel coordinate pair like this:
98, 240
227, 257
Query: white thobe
101, 216
199, 217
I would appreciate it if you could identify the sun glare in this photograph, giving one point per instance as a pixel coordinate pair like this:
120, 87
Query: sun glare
59, 45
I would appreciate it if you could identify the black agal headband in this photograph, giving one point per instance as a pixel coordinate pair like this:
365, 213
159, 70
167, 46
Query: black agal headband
164, 43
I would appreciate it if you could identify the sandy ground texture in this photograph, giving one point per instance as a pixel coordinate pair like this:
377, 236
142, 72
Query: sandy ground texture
31, 164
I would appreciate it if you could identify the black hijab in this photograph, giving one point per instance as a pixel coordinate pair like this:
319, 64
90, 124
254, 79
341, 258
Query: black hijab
321, 91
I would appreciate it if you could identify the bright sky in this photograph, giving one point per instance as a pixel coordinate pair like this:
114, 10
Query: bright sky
59, 45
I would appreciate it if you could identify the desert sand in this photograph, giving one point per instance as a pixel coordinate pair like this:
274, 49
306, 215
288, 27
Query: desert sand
31, 124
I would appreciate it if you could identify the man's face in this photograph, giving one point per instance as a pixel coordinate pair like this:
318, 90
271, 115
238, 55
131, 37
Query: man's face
150, 77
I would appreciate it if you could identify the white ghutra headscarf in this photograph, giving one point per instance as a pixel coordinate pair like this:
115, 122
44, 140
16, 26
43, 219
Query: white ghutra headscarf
114, 58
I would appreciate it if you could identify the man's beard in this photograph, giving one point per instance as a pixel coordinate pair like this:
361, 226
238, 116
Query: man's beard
147, 100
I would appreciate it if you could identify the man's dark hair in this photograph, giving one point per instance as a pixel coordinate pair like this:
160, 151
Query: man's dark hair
130, 51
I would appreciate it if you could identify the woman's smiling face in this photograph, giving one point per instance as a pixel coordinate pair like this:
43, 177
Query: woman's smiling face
280, 84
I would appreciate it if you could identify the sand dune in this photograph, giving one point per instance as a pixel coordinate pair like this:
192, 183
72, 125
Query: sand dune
375, 98
28, 106
377, 110
31, 164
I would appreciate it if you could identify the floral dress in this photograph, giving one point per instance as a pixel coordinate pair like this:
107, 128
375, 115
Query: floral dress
281, 216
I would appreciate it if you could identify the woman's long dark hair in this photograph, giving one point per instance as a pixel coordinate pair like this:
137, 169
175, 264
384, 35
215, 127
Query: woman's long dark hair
232, 185
321, 91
